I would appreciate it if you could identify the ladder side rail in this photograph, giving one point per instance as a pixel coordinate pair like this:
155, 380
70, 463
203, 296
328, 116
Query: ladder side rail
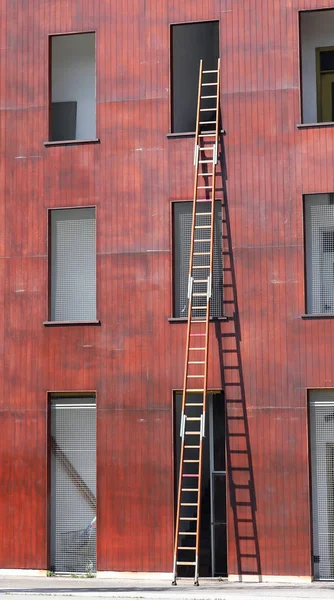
207, 323
184, 393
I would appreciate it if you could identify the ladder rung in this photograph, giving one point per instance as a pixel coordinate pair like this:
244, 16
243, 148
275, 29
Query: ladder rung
196, 320
188, 518
209, 97
201, 162
201, 267
197, 335
190, 461
195, 419
201, 280
204, 280
204, 187
214, 71
200, 377
198, 362
187, 548
207, 214
196, 348
192, 432
203, 226
213, 83
185, 563
208, 110
201, 294
207, 134
207, 122
186, 447
199, 308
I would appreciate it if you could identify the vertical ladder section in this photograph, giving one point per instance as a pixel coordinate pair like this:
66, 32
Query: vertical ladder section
187, 527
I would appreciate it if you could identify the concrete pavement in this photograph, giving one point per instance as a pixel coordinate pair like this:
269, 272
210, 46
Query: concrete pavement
18, 588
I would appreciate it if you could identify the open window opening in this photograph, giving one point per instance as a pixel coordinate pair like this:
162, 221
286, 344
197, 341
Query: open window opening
72, 460
73, 97
317, 65
191, 42
213, 531
319, 252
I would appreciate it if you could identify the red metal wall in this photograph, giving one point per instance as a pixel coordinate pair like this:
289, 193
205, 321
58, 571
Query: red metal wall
135, 358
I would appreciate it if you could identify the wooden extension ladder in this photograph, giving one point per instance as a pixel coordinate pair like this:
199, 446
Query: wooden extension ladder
187, 529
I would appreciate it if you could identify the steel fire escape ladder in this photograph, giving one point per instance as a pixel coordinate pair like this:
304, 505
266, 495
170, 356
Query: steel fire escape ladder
187, 527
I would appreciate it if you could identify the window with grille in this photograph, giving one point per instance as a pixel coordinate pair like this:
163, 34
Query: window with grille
72, 446
73, 265
319, 241
182, 222
322, 471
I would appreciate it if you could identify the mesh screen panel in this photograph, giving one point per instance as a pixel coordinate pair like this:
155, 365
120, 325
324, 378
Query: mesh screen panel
182, 222
73, 265
322, 459
73, 485
319, 225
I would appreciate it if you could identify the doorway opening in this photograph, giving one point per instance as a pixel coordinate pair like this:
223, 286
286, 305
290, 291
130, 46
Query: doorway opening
322, 476
213, 532
72, 459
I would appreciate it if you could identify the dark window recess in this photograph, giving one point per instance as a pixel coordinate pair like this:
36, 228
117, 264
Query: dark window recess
73, 101
327, 60
63, 121
191, 42
182, 222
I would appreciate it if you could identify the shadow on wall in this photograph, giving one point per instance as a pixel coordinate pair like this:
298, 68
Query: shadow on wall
238, 448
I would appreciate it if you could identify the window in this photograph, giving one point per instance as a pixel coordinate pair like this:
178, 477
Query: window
191, 42
319, 240
182, 222
72, 462
317, 56
73, 87
73, 265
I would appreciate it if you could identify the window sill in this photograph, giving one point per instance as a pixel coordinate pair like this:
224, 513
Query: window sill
185, 319
186, 134
72, 142
317, 316
66, 323
315, 125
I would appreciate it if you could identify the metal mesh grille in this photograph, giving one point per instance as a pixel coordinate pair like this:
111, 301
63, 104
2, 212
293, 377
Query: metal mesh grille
319, 221
182, 238
322, 457
73, 265
73, 485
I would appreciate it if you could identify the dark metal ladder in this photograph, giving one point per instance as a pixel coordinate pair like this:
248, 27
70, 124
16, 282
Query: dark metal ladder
187, 528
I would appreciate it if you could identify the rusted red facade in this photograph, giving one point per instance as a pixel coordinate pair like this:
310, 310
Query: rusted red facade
134, 359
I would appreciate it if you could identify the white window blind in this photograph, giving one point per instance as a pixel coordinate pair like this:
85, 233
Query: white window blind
73, 264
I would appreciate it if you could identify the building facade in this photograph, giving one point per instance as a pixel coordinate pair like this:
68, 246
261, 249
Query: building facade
96, 178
